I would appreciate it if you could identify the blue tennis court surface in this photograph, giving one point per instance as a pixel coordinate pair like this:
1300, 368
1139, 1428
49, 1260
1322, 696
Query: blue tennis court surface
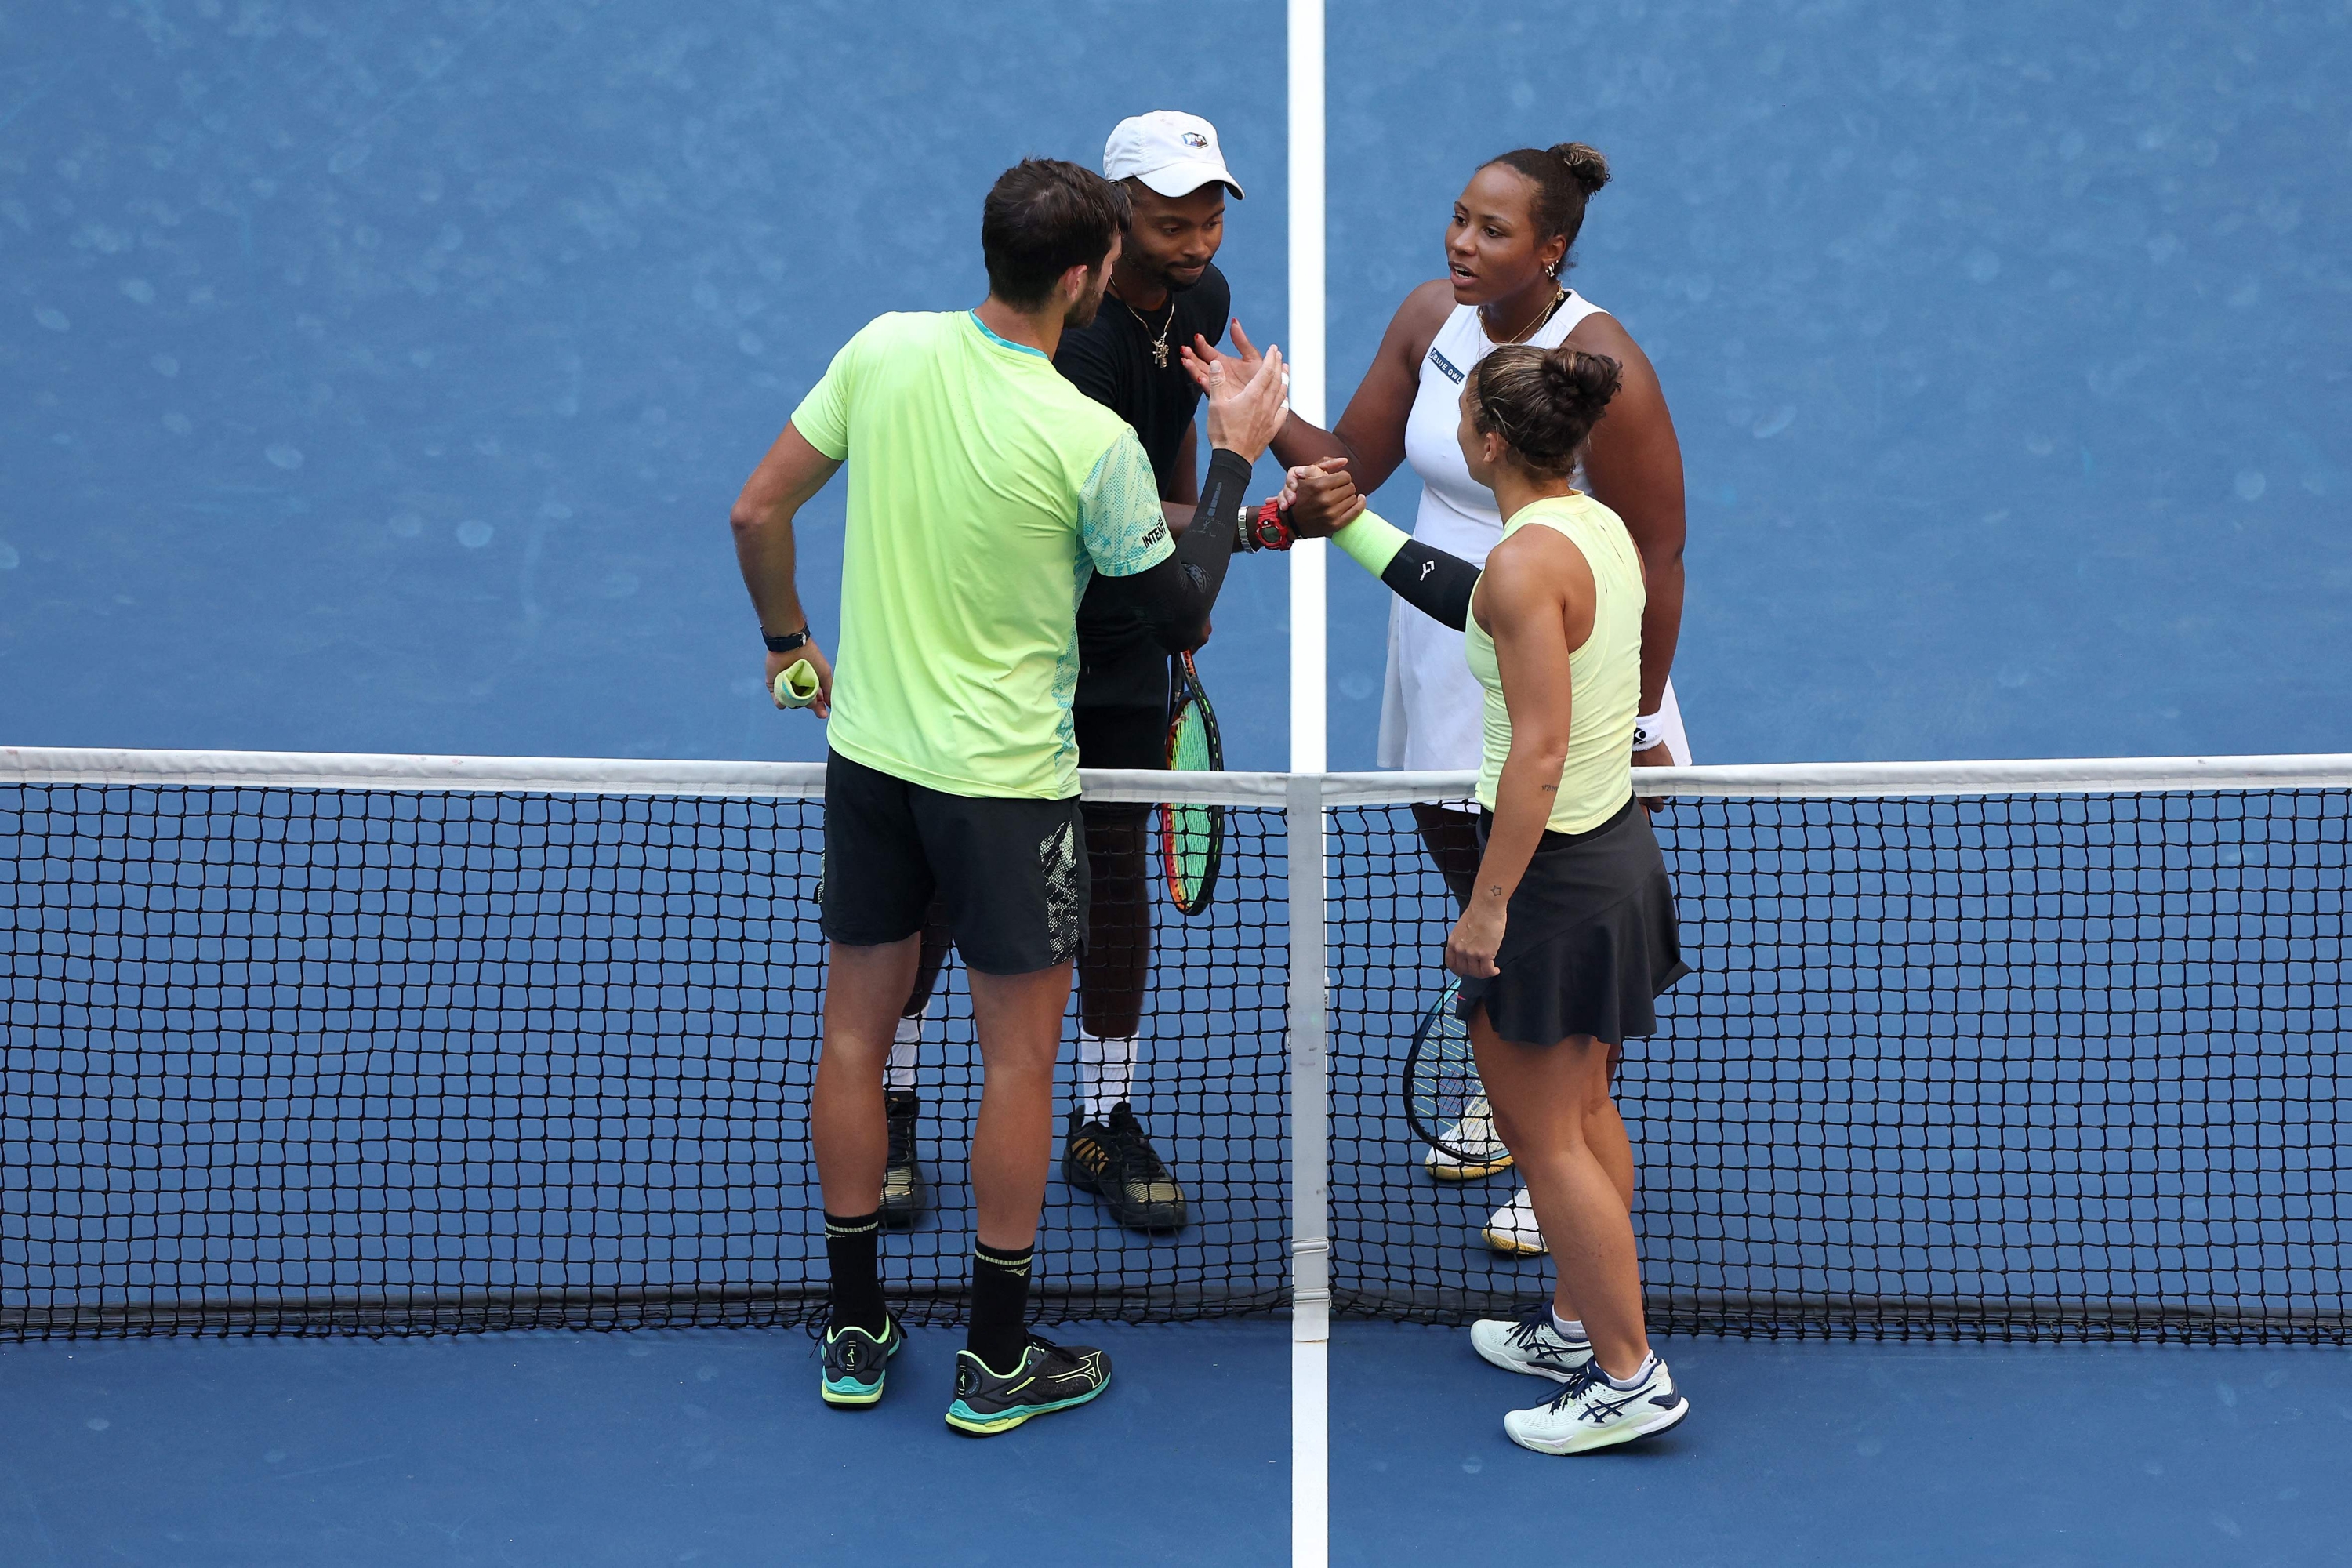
1809, 1454
694, 1446
382, 377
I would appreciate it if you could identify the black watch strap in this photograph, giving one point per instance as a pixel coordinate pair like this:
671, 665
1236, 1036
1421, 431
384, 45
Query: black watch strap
786, 643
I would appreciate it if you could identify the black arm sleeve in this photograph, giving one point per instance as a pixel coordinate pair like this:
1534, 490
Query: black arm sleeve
1176, 596
1431, 581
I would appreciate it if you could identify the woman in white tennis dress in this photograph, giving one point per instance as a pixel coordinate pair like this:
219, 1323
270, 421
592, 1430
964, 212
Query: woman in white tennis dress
1507, 247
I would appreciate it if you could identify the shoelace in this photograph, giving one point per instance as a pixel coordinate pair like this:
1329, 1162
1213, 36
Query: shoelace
1132, 1153
1528, 1335
1585, 1379
1059, 1359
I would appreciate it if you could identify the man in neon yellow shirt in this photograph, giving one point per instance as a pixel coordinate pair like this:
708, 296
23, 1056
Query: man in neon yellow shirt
985, 493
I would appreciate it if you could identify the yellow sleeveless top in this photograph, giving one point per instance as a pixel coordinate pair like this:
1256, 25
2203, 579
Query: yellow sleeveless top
1605, 674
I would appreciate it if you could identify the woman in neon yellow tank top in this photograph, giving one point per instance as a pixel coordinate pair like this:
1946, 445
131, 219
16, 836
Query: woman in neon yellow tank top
1569, 936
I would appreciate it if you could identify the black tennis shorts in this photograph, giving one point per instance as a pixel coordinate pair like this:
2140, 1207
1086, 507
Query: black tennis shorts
1590, 941
1010, 875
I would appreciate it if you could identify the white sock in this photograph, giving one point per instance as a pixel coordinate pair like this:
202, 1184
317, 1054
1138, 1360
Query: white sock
1570, 1329
1627, 1384
900, 1073
1105, 1074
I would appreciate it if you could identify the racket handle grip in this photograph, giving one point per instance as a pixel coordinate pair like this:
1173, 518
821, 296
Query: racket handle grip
796, 684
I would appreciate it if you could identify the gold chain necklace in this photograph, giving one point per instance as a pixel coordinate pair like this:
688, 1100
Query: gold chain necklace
1160, 344
1530, 329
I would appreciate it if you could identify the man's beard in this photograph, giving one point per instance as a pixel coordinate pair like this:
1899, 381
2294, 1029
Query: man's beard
1176, 285
1081, 312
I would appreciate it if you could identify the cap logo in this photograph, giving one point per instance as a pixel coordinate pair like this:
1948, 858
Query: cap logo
1194, 138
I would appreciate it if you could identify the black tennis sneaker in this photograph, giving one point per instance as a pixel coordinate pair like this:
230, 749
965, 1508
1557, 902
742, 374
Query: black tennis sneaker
853, 1364
1116, 1161
1050, 1377
903, 1197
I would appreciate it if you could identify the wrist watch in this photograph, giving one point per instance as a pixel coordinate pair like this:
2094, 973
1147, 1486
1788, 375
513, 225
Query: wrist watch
786, 643
1269, 529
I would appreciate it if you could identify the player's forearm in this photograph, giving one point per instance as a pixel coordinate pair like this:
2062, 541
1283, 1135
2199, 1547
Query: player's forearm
1662, 625
1205, 551
1176, 596
1524, 794
791, 471
1431, 581
1179, 518
764, 553
1297, 444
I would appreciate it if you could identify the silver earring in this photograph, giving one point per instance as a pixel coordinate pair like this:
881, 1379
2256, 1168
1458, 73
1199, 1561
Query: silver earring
1552, 269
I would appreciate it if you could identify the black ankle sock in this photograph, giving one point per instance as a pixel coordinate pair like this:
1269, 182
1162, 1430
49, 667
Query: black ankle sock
853, 1253
1000, 1306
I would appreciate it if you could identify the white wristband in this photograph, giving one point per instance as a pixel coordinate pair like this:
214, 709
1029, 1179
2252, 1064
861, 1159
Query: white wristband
1649, 732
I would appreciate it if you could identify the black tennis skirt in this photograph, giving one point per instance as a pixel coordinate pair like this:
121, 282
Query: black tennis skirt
1590, 942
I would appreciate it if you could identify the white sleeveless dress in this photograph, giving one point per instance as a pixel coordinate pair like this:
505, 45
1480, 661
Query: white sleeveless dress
1432, 709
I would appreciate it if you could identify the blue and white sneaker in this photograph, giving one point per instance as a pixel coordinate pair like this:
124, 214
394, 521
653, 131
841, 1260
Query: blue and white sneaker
1593, 1413
1531, 1345
853, 1364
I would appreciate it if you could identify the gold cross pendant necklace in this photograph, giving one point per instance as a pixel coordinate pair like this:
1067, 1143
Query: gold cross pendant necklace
1159, 344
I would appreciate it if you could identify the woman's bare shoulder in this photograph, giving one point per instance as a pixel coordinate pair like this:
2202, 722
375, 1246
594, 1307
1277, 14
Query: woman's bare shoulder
1602, 333
1414, 326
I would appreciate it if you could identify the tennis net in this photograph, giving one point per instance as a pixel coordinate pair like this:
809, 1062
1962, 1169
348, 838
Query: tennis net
396, 1045
2021, 1050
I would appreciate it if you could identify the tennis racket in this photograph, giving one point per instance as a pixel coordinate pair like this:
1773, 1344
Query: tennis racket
1192, 838
1444, 1103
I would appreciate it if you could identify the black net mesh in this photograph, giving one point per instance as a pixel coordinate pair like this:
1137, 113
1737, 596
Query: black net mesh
285, 1060
2049, 1066
282, 1060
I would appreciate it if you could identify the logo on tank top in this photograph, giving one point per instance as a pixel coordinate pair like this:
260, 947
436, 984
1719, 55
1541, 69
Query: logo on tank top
1442, 362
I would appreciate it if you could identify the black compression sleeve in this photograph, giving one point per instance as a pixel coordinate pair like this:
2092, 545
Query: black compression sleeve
1431, 581
1176, 595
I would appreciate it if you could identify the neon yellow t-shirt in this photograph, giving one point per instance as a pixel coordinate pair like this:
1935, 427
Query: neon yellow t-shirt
984, 492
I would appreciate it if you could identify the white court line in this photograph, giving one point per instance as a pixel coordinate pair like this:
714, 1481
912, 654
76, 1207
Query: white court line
1310, 1306
1307, 359
1310, 1179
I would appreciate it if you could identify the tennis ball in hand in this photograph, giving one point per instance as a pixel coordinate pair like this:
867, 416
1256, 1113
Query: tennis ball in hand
796, 684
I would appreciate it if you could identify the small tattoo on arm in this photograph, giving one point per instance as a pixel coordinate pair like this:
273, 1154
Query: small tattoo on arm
1549, 789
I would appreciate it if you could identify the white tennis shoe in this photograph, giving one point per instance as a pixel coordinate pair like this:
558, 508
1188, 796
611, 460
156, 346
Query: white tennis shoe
1592, 1413
1531, 1345
1512, 1228
1475, 1136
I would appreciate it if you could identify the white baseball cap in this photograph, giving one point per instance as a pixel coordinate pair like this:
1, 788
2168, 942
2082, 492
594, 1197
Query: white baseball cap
1173, 153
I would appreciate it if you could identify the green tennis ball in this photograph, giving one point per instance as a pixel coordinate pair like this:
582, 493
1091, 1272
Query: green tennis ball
796, 684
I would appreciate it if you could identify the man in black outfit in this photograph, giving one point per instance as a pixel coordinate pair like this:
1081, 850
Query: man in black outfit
1164, 288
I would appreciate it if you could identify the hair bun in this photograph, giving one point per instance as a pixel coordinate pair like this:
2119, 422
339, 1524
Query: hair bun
1579, 381
1585, 164
1543, 402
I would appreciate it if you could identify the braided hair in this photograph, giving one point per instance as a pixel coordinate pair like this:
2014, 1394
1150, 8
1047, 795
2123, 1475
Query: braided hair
1543, 402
